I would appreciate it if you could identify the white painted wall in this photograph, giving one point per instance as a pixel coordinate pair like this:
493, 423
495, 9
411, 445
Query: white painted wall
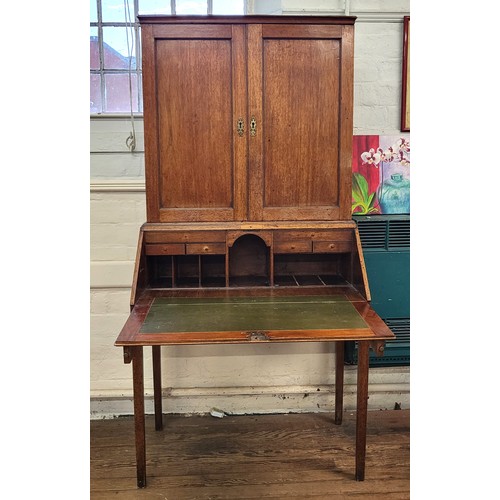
239, 379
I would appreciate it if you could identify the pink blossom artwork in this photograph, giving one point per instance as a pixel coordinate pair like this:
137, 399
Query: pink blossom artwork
381, 174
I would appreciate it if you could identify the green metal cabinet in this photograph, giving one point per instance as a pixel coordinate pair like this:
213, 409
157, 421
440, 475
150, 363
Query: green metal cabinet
386, 248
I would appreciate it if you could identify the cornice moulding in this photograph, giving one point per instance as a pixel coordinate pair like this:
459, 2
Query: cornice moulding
361, 16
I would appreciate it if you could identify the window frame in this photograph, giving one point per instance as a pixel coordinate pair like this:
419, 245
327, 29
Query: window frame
102, 71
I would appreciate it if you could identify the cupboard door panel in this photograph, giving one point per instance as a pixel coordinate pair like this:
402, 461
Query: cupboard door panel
199, 163
300, 133
194, 108
295, 85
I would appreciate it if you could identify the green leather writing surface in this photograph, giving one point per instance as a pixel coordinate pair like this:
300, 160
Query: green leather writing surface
174, 315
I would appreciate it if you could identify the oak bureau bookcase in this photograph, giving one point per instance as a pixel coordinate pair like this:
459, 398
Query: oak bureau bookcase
249, 236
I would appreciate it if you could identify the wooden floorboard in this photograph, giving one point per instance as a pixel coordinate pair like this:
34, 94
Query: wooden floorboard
298, 456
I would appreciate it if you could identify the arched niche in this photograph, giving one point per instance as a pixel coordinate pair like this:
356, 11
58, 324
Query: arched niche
249, 260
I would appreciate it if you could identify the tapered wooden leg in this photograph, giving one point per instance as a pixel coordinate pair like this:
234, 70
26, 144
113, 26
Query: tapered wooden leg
157, 387
339, 381
362, 409
139, 421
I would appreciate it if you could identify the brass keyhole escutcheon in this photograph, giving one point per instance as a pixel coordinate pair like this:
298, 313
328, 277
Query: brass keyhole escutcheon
240, 127
253, 126
258, 336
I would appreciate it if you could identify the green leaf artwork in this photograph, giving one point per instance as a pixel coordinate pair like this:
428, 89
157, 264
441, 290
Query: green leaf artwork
363, 202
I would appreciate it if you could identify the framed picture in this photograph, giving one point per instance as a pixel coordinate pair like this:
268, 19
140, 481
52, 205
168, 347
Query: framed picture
405, 101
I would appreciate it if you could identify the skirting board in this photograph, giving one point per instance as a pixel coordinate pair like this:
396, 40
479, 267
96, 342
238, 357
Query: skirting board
255, 400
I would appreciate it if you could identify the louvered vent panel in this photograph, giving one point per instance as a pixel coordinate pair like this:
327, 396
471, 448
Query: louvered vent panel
398, 234
390, 361
386, 246
400, 328
373, 233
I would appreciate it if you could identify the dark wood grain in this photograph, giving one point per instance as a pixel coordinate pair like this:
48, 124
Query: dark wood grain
186, 31
157, 387
297, 456
359, 275
331, 246
292, 77
313, 235
299, 133
205, 248
139, 422
193, 227
190, 236
294, 246
139, 279
302, 30
346, 122
296, 166
166, 249
361, 409
191, 180
240, 111
150, 124
256, 143
194, 175
248, 137
405, 79
254, 19
375, 328
339, 382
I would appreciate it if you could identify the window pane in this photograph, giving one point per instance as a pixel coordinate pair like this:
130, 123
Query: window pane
116, 51
95, 94
154, 7
230, 7
93, 11
94, 49
191, 7
118, 94
113, 10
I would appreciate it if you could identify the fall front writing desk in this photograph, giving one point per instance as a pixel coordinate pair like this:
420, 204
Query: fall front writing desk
245, 316
248, 166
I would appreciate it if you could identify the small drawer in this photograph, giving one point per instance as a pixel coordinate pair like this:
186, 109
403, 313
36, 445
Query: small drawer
333, 236
281, 236
314, 235
201, 248
331, 246
184, 236
292, 247
162, 249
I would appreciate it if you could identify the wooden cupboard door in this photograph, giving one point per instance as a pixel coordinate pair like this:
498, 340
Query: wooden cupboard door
194, 94
300, 97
